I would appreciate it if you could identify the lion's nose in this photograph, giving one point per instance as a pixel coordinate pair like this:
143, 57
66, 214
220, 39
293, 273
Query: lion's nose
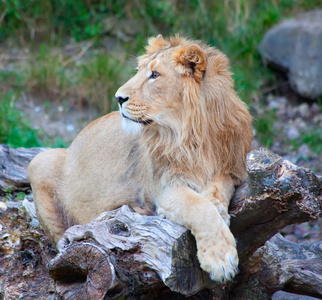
121, 100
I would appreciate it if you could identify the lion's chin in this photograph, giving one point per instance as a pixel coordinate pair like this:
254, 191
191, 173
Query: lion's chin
131, 126
143, 122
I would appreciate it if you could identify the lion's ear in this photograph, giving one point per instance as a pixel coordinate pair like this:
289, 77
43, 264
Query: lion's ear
191, 61
156, 43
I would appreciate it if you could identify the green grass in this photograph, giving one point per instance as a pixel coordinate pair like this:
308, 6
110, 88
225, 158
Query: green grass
15, 131
313, 139
99, 78
46, 76
264, 126
92, 81
310, 137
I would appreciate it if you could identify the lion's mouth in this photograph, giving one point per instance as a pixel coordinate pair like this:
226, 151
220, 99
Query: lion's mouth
140, 121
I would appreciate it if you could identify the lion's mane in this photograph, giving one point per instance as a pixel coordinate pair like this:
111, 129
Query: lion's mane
213, 131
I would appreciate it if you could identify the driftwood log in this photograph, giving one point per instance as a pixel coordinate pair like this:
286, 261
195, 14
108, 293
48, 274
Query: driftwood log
283, 265
124, 254
13, 168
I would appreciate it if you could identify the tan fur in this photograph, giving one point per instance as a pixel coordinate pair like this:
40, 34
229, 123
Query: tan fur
179, 145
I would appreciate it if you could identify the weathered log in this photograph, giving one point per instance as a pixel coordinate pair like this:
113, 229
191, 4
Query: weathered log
24, 253
143, 250
13, 167
123, 253
90, 278
277, 194
281, 265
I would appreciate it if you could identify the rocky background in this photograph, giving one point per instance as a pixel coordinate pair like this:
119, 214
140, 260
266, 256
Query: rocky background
293, 48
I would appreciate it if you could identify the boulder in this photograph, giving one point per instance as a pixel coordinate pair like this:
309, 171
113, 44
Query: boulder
295, 46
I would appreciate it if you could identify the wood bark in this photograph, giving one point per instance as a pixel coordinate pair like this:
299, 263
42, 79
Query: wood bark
13, 167
124, 254
281, 265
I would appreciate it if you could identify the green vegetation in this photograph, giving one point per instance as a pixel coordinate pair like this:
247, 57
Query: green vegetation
53, 76
235, 27
13, 196
56, 77
99, 78
15, 131
265, 131
8, 194
91, 75
20, 196
312, 138
46, 75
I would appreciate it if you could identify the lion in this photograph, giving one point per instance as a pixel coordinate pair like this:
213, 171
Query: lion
177, 147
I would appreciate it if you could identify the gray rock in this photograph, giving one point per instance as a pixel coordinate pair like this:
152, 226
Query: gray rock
291, 238
302, 230
295, 47
305, 151
292, 133
288, 229
12, 204
304, 110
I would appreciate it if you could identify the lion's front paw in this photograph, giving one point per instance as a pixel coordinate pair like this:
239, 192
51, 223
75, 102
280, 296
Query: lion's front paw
219, 256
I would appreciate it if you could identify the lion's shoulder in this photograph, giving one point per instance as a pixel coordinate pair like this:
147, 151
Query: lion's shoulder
113, 117
102, 130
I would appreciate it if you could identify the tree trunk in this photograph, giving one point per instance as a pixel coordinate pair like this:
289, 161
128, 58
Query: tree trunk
124, 254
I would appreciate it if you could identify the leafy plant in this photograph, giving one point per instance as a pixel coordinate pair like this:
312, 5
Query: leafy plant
15, 131
20, 196
8, 193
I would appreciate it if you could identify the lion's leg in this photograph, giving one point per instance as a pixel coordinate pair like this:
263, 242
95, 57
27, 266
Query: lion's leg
219, 193
216, 245
44, 173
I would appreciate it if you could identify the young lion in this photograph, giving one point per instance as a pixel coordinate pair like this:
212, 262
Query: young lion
178, 145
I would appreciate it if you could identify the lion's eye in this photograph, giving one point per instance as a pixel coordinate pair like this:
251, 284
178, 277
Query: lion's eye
136, 69
154, 75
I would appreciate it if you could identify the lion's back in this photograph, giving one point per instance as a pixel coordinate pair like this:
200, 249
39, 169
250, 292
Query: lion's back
101, 169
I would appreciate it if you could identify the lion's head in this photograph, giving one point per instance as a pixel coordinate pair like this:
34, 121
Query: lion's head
183, 102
